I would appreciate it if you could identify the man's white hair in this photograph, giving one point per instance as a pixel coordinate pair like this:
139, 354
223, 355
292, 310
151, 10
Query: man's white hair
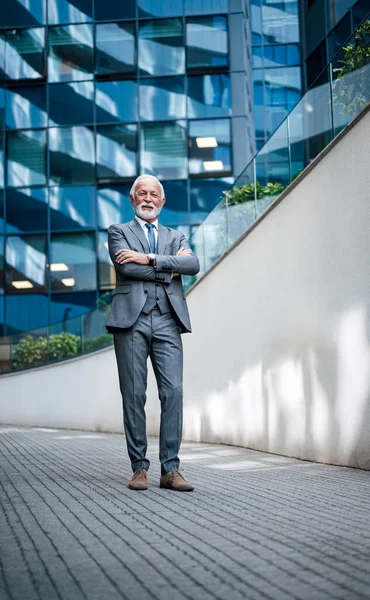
138, 179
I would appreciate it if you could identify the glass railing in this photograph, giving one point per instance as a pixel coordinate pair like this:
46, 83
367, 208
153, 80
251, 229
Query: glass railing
70, 338
337, 96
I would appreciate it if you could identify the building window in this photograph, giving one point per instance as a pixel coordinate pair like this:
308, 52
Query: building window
112, 10
25, 312
280, 22
209, 96
116, 101
161, 47
66, 11
26, 107
26, 264
207, 42
26, 158
70, 53
116, 147
71, 103
162, 98
175, 211
72, 207
205, 7
71, 155
163, 150
107, 275
113, 204
115, 48
26, 210
209, 146
73, 262
159, 8
24, 53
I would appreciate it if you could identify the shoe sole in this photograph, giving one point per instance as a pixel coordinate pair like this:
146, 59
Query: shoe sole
168, 487
137, 489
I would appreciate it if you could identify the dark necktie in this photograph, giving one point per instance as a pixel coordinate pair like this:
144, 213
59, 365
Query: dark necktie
151, 237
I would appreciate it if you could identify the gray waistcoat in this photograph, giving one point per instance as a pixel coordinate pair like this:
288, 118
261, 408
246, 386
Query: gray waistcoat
156, 295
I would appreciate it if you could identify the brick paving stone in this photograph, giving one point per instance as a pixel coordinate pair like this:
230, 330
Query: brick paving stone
257, 526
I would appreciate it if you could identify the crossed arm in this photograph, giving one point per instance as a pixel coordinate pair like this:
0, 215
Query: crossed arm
135, 265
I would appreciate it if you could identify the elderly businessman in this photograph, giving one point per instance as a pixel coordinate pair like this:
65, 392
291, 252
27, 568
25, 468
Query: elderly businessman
147, 316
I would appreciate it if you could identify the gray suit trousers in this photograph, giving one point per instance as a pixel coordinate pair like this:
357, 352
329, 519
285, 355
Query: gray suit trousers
157, 336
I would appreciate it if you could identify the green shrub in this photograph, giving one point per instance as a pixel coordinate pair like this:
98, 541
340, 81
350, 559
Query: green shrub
33, 351
95, 343
247, 191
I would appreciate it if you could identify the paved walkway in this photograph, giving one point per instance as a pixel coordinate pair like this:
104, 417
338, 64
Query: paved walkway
258, 526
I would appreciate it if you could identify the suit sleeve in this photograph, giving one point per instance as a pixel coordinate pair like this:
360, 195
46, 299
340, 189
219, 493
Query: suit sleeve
117, 241
184, 265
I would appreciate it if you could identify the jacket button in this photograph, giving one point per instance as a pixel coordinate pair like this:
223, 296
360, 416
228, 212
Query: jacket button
157, 299
145, 291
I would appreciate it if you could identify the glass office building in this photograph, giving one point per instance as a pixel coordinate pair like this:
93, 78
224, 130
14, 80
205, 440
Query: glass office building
95, 92
92, 94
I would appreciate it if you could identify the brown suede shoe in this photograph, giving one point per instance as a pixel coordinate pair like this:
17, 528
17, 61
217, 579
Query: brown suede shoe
173, 480
139, 480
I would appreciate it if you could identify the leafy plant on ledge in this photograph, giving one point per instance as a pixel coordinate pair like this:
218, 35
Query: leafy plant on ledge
33, 351
246, 193
353, 93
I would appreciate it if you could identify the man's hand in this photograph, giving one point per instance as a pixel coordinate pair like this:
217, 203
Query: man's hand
127, 256
183, 252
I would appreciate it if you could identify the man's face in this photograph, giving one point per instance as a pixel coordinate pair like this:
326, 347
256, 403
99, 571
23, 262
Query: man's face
147, 201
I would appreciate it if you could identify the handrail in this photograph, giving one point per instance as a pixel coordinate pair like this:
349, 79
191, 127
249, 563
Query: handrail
327, 107
53, 343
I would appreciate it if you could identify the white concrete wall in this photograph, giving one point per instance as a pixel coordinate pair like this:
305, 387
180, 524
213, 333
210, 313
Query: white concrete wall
280, 355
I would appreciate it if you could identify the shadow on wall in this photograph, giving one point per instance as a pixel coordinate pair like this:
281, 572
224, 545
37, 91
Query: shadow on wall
313, 402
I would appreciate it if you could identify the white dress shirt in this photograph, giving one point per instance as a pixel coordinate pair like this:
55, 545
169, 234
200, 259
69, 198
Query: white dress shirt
146, 231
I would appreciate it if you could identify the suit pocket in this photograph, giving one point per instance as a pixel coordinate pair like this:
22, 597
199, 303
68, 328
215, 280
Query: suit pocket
122, 289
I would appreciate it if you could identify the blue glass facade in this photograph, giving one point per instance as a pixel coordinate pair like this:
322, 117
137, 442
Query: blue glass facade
92, 94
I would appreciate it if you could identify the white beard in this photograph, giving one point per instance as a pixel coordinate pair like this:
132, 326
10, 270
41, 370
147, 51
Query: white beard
147, 214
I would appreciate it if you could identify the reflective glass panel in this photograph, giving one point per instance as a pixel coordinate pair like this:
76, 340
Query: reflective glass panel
282, 55
209, 96
73, 262
315, 63
26, 158
241, 205
69, 11
72, 207
107, 275
164, 150
282, 92
160, 8
205, 7
26, 107
22, 13
204, 195
161, 47
339, 35
71, 155
1, 265
24, 53
26, 263
207, 42
111, 10
209, 146
70, 53
175, 211
116, 101
66, 310
71, 103
162, 98
280, 23
273, 168
2, 224
115, 48
337, 9
4, 345
1, 159
26, 210
113, 205
116, 147
25, 312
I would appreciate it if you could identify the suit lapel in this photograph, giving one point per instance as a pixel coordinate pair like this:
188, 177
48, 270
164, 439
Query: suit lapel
138, 231
162, 238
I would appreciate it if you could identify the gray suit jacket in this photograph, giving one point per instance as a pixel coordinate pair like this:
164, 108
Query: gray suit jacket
129, 295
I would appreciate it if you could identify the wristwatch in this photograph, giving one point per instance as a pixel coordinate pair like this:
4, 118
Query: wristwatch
151, 258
